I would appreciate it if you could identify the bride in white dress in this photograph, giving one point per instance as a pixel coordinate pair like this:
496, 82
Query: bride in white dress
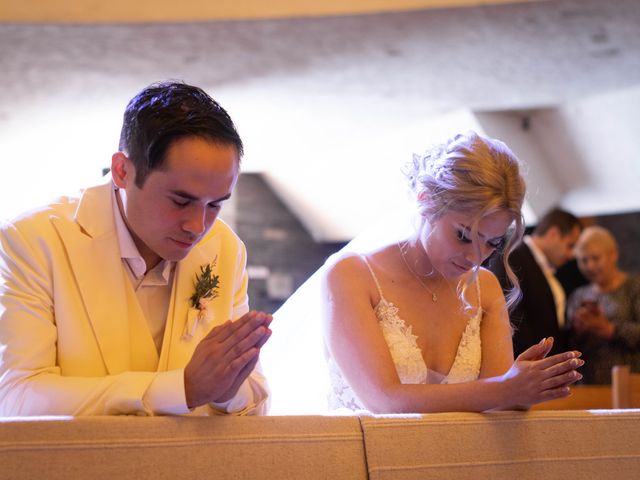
418, 325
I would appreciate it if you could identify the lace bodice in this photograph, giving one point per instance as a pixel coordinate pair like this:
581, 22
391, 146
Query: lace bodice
407, 356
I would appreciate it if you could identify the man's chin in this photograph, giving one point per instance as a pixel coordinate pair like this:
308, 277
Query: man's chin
176, 255
178, 250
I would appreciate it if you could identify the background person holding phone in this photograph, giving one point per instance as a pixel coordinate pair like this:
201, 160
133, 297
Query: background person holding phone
605, 314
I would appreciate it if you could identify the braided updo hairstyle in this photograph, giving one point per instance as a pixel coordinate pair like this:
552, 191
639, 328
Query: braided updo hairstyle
475, 175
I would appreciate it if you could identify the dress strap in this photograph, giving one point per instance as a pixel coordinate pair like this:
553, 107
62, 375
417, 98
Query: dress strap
375, 279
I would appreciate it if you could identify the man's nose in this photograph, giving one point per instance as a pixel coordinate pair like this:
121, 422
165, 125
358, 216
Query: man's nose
195, 221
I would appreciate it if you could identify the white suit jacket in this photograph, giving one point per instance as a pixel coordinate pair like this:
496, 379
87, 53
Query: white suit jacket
73, 339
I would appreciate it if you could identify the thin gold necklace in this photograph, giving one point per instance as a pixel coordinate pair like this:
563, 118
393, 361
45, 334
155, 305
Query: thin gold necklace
434, 297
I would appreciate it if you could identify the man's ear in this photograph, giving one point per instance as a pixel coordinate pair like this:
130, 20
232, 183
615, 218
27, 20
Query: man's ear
122, 170
554, 233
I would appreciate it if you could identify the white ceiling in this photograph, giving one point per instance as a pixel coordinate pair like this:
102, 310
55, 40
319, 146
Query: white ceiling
329, 107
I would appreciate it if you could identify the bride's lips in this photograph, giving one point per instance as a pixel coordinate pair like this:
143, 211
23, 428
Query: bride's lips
461, 268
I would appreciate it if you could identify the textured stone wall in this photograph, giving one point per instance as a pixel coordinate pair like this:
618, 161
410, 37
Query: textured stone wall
626, 228
281, 254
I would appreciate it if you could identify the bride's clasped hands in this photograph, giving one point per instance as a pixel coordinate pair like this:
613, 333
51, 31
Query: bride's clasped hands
534, 378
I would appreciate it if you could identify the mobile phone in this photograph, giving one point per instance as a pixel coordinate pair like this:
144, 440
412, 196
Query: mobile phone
591, 305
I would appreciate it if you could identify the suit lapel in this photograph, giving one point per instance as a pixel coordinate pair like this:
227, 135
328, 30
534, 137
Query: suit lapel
176, 350
543, 290
93, 252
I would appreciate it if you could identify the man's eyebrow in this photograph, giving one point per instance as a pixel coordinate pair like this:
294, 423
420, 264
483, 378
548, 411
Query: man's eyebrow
188, 196
222, 199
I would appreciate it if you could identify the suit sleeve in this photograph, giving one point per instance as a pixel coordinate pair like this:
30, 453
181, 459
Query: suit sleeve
30, 378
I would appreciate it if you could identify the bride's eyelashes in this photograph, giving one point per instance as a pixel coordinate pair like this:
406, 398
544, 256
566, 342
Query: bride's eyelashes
494, 243
463, 236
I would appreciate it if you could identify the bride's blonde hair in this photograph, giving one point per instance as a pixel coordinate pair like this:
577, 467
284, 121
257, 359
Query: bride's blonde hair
475, 175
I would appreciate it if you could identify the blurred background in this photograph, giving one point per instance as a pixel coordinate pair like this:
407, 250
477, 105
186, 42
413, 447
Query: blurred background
331, 99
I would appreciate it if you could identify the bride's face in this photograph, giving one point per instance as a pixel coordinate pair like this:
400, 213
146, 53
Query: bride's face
449, 244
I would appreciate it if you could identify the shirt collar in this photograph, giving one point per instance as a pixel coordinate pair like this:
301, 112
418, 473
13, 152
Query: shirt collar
128, 250
538, 254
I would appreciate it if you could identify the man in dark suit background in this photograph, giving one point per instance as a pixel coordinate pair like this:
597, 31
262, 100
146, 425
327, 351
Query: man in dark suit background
540, 313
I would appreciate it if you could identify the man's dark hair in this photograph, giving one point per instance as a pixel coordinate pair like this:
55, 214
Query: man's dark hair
563, 220
165, 112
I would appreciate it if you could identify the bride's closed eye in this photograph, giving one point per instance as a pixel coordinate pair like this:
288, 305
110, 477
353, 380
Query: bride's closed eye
494, 243
463, 236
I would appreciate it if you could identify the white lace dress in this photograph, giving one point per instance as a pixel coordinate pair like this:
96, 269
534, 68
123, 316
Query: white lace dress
407, 356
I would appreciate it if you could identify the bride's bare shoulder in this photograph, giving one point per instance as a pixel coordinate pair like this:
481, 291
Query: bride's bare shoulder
355, 263
344, 264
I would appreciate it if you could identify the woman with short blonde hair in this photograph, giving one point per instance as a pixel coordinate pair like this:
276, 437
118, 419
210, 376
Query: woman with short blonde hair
605, 314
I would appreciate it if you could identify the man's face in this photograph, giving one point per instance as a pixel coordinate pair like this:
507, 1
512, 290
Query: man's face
178, 202
560, 249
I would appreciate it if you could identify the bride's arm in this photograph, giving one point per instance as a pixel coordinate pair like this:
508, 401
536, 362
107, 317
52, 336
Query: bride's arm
355, 341
352, 334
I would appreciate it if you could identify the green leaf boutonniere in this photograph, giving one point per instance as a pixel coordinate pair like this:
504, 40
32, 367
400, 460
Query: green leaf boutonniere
206, 286
206, 289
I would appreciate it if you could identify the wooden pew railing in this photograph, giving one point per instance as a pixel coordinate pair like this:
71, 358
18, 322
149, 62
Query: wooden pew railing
624, 392
626, 387
583, 397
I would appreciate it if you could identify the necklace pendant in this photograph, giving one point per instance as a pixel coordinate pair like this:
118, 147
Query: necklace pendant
434, 297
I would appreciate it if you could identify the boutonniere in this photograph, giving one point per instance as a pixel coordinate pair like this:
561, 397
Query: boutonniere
205, 289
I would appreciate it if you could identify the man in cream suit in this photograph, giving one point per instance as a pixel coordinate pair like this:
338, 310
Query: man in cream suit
99, 312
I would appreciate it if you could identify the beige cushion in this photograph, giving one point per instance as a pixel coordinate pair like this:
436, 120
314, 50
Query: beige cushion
602, 445
583, 445
122, 448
